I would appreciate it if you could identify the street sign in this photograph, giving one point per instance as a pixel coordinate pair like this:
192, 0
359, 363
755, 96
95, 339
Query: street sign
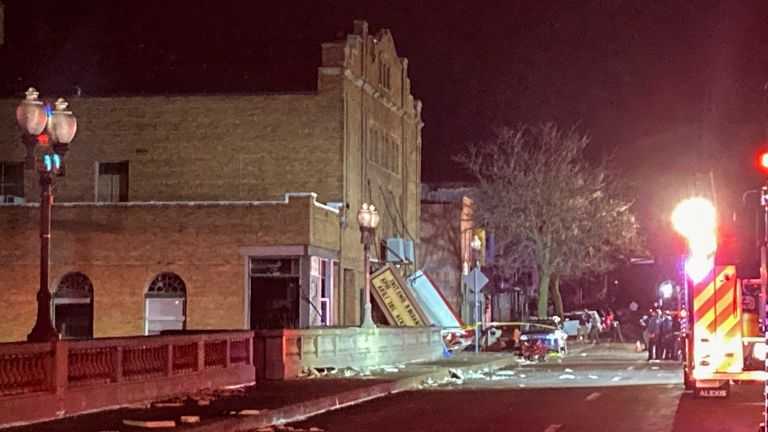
475, 280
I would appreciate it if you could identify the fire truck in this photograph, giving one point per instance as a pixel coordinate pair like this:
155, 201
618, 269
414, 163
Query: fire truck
720, 316
721, 332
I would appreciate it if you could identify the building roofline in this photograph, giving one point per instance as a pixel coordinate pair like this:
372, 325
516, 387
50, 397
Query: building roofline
285, 200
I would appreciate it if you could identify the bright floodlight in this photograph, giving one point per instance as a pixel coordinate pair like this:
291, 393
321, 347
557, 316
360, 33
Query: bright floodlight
695, 219
666, 289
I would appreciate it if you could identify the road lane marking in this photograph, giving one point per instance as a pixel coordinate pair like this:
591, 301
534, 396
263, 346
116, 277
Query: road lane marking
553, 428
616, 379
592, 397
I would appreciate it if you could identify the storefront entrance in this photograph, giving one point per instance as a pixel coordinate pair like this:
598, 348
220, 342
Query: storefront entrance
275, 293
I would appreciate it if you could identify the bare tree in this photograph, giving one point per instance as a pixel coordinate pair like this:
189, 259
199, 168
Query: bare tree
553, 213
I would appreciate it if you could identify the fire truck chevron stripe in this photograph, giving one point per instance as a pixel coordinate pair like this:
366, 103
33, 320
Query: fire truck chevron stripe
702, 290
724, 293
706, 323
704, 304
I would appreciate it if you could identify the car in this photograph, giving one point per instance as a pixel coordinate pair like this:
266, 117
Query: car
548, 330
571, 322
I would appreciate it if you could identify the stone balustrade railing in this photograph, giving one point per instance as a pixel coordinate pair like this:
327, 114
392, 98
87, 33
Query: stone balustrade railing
67, 377
283, 354
25, 368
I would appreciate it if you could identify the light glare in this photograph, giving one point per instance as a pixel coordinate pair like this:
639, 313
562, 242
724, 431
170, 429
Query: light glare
698, 267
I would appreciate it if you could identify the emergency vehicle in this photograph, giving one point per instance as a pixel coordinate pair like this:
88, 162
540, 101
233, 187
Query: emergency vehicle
721, 315
720, 331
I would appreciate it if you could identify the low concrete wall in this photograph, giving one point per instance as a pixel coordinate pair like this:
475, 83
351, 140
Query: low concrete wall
282, 354
41, 381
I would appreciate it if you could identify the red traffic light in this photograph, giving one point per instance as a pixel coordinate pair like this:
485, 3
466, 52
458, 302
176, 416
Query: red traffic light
42, 139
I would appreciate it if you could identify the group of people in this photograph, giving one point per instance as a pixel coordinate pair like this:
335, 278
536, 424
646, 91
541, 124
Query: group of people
589, 329
590, 326
660, 334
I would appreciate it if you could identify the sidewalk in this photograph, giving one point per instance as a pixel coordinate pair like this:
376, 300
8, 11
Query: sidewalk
278, 402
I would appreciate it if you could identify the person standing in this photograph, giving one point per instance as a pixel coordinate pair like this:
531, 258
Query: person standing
644, 326
581, 336
594, 328
667, 334
654, 327
609, 320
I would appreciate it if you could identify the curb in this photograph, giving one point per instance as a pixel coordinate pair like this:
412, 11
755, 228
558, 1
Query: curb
303, 410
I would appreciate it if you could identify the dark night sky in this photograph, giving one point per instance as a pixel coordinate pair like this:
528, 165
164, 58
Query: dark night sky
672, 87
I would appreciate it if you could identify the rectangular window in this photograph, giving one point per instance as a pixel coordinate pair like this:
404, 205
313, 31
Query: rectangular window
384, 73
11, 181
112, 183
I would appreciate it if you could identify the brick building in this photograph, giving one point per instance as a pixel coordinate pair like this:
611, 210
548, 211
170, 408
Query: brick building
218, 211
446, 231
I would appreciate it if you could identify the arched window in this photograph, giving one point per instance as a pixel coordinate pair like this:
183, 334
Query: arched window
73, 306
165, 304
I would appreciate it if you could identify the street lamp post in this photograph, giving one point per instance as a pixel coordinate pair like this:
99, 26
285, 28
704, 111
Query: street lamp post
476, 244
51, 131
368, 219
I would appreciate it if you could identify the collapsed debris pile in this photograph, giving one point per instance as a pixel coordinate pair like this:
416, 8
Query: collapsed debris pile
202, 397
349, 372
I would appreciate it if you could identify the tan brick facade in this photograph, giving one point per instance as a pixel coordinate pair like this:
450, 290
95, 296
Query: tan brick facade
357, 139
121, 247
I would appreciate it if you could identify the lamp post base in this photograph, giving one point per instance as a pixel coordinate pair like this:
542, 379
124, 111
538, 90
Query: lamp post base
42, 333
367, 318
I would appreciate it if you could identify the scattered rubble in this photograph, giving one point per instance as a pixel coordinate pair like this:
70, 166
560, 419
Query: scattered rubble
190, 419
150, 424
456, 374
250, 412
167, 404
283, 428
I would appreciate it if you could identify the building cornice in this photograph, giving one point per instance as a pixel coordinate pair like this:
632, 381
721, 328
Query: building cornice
285, 200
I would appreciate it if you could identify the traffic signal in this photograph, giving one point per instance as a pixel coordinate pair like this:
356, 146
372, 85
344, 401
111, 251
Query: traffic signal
51, 162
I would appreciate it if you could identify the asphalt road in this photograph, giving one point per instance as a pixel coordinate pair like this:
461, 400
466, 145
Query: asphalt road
594, 390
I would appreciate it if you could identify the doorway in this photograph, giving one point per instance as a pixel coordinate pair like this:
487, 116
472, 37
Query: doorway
275, 293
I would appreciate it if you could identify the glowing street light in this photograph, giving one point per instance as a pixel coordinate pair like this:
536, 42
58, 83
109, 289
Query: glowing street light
368, 219
49, 131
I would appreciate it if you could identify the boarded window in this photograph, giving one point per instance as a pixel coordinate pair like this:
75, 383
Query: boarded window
11, 180
112, 183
